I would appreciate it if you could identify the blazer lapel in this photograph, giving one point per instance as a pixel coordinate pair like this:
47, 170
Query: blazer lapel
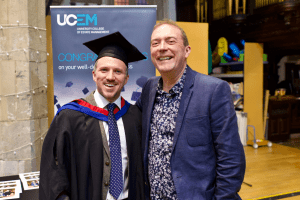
149, 110
185, 99
90, 99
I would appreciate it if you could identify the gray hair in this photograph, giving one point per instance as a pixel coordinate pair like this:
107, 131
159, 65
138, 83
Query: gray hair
171, 22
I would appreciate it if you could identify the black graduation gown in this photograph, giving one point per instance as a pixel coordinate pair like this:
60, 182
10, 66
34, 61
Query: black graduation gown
72, 157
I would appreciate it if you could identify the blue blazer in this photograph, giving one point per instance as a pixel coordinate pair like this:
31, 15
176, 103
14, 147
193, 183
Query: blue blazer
208, 160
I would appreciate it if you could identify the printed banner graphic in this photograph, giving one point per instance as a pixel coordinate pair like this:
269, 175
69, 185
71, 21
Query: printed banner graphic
73, 62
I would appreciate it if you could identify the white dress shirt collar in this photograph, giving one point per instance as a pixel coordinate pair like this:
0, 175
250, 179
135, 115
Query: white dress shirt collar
102, 102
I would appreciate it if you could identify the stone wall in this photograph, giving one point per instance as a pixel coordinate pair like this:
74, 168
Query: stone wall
23, 85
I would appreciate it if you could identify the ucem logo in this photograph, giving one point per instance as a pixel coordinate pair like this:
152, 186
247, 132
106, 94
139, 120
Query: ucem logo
72, 19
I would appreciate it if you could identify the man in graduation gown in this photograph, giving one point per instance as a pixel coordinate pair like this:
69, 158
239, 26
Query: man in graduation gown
92, 149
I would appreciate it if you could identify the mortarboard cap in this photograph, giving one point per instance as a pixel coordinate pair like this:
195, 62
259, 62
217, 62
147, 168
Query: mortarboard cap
116, 46
69, 84
135, 96
85, 90
55, 99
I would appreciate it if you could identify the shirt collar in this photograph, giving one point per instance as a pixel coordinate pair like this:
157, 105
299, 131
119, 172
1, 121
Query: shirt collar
102, 102
177, 88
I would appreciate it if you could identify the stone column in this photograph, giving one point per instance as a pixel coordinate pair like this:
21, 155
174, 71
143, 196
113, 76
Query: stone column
23, 85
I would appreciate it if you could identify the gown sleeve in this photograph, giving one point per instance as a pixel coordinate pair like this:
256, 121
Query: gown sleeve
55, 168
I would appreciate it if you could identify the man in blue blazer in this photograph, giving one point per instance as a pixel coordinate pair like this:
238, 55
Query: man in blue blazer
190, 142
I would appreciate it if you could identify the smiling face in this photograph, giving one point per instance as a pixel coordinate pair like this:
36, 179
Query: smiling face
110, 77
168, 52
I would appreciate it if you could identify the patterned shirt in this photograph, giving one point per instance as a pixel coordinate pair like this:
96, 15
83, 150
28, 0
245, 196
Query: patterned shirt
161, 141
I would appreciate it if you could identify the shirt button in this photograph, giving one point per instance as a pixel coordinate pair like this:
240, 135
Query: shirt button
106, 183
107, 163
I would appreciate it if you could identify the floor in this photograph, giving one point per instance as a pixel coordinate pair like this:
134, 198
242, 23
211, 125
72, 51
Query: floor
273, 173
293, 142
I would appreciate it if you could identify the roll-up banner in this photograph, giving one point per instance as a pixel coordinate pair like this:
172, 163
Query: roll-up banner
73, 62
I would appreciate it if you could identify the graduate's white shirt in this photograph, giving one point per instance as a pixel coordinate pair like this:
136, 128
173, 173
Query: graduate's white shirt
102, 103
